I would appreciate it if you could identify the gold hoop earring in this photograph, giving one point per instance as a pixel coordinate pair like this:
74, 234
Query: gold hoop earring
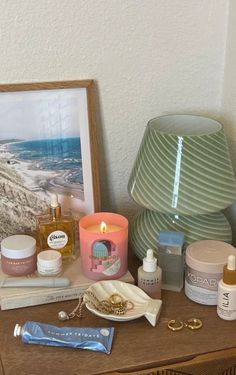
175, 325
193, 323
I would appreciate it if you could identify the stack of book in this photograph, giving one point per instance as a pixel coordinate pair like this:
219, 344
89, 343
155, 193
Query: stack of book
12, 298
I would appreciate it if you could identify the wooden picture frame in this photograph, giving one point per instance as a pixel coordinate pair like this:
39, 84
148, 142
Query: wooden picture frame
48, 145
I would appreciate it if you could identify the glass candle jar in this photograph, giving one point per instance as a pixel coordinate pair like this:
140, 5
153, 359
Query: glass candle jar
104, 245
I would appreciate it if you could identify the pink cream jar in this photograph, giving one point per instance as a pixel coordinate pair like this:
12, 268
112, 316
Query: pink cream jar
18, 255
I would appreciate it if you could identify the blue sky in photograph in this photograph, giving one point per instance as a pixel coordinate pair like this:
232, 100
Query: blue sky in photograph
39, 114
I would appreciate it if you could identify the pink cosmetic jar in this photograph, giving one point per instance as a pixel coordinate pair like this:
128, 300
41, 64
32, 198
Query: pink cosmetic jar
18, 255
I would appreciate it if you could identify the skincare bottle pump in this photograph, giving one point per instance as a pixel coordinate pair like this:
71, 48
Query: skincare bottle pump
149, 276
226, 302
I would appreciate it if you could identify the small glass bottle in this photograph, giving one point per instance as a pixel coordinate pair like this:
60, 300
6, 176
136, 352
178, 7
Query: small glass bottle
56, 231
149, 276
226, 297
171, 259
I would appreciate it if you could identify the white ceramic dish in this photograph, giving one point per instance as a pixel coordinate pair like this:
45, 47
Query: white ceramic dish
143, 304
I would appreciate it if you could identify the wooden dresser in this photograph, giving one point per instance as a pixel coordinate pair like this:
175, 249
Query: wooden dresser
138, 348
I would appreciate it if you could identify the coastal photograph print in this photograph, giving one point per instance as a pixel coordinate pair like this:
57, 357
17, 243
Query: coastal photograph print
47, 145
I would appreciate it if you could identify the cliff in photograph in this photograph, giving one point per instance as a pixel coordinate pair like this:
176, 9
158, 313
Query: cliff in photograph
18, 204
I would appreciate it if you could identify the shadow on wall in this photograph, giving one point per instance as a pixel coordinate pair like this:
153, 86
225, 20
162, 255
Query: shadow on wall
230, 132
230, 213
102, 158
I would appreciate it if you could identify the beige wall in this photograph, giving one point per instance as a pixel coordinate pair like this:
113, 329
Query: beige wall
148, 57
228, 110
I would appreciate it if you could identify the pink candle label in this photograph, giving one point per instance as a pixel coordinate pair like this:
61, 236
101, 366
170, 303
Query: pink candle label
105, 258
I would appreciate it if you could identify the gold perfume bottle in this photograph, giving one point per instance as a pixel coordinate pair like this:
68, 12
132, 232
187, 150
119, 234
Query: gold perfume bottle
56, 231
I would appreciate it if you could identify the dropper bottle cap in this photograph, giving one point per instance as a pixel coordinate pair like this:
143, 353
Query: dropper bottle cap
55, 207
229, 273
150, 262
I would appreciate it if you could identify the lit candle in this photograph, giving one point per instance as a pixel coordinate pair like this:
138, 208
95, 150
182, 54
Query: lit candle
103, 228
103, 245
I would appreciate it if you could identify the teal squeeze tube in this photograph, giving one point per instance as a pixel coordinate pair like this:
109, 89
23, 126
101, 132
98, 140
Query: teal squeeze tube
96, 339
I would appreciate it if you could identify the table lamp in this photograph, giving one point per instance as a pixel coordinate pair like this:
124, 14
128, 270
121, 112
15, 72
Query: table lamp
183, 178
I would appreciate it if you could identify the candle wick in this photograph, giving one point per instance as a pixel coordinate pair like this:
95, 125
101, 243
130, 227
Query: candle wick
103, 227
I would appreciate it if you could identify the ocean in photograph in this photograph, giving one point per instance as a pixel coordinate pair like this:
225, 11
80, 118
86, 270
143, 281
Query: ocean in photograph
29, 171
52, 155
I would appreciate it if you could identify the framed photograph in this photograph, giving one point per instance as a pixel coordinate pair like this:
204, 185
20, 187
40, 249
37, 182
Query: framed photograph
47, 145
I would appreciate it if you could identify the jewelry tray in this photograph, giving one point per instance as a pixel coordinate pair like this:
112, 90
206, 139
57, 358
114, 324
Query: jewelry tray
143, 305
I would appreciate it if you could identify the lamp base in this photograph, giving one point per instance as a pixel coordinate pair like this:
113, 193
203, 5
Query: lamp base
144, 231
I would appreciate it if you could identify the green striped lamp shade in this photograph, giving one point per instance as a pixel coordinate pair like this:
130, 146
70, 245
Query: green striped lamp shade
183, 167
146, 226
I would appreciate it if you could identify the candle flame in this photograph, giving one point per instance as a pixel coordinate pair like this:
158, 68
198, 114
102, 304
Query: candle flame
103, 227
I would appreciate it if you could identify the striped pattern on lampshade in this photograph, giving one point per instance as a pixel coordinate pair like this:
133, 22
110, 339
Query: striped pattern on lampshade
146, 226
183, 167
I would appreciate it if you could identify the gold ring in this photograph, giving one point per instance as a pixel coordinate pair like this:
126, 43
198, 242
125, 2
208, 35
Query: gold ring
193, 323
115, 299
175, 325
129, 305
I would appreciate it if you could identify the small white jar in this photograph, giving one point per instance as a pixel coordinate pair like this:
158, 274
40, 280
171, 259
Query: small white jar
49, 263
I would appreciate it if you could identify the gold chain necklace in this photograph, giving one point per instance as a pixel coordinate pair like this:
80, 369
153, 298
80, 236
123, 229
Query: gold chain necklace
115, 304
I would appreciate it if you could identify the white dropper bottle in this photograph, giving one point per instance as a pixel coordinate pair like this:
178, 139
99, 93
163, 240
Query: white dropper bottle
149, 276
226, 298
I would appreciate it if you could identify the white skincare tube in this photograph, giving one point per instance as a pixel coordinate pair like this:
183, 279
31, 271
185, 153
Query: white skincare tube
35, 282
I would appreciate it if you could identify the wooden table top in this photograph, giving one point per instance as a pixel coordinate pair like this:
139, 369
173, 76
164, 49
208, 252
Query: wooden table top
136, 345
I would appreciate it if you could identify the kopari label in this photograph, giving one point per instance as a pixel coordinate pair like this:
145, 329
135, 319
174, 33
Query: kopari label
203, 280
57, 239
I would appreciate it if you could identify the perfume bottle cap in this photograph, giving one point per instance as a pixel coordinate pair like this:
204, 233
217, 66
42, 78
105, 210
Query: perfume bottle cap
229, 273
55, 207
150, 262
54, 200
171, 238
